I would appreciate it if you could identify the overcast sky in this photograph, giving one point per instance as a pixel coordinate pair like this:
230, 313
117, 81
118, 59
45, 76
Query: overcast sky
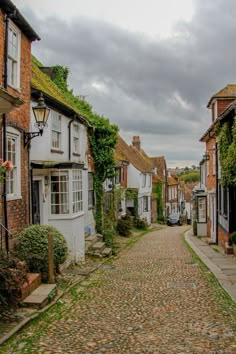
149, 66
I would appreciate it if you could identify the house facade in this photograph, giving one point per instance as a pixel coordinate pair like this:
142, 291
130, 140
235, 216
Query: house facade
137, 178
220, 199
16, 36
61, 173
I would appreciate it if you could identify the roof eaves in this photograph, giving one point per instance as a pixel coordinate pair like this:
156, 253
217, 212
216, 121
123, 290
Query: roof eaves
11, 10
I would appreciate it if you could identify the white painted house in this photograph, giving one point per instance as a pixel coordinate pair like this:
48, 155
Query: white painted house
137, 176
61, 178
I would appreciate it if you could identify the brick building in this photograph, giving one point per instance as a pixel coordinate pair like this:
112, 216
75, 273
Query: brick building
16, 36
220, 201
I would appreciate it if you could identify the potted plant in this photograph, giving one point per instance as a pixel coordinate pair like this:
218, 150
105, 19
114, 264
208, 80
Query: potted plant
233, 240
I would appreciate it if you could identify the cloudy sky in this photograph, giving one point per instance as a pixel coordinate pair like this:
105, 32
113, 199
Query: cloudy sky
149, 66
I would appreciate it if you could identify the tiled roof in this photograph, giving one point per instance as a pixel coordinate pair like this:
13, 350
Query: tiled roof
187, 193
42, 82
124, 152
160, 164
227, 92
173, 180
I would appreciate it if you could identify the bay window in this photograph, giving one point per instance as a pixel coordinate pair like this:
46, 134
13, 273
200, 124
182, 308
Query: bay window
66, 192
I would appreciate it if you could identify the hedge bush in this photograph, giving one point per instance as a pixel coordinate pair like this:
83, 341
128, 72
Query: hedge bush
13, 274
32, 247
124, 226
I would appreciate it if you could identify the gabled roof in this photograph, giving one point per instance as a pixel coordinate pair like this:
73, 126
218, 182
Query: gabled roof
41, 82
9, 8
124, 152
173, 180
227, 92
160, 163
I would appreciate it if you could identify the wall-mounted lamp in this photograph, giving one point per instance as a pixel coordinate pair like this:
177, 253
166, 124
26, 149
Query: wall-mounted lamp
206, 156
41, 113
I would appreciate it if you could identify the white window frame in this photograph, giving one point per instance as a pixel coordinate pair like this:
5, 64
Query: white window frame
57, 130
74, 191
214, 160
144, 179
16, 172
75, 137
13, 65
77, 191
146, 206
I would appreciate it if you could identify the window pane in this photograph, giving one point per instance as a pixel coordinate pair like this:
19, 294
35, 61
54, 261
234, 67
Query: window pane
77, 199
59, 192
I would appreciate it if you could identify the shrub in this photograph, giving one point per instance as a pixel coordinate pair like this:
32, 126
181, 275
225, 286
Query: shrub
141, 224
32, 246
124, 226
195, 228
233, 238
13, 275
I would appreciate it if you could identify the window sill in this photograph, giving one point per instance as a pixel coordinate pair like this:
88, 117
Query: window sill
91, 207
17, 89
66, 217
55, 151
13, 197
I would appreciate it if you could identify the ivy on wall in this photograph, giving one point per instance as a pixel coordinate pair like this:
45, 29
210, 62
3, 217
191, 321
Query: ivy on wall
227, 147
102, 136
158, 193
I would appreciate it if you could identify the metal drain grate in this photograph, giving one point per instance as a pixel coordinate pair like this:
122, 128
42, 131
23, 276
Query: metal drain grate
181, 285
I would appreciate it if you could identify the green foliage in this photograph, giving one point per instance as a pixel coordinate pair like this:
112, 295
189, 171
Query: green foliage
124, 226
190, 177
233, 238
158, 192
141, 224
195, 228
227, 146
61, 73
13, 275
32, 247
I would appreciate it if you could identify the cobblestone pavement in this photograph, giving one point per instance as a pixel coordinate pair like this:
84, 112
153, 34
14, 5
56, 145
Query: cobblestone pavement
155, 298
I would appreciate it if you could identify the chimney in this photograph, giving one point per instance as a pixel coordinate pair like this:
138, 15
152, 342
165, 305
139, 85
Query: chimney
136, 143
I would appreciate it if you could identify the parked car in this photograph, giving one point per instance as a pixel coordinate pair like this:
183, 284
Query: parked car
174, 219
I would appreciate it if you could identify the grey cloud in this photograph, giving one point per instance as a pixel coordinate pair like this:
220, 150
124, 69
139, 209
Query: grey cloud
151, 86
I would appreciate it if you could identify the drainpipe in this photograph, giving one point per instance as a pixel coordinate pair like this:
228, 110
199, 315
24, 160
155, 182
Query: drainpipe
4, 133
217, 195
69, 130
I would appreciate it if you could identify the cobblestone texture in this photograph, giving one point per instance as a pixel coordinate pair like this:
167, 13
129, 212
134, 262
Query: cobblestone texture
152, 299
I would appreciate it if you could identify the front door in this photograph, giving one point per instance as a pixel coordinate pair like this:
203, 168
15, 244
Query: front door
36, 203
213, 217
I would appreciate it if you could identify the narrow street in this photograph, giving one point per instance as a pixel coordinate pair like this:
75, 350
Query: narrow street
154, 298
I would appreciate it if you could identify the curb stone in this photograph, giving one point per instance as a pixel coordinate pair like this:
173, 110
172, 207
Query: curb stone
225, 283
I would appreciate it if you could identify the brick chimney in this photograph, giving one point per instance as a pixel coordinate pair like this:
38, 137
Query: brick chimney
136, 142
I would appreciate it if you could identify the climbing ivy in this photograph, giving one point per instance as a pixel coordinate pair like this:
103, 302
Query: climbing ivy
227, 147
102, 136
158, 192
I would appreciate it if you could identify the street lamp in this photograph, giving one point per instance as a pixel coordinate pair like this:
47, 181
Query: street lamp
41, 113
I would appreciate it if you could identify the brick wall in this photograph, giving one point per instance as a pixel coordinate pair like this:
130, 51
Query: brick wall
223, 104
19, 118
223, 236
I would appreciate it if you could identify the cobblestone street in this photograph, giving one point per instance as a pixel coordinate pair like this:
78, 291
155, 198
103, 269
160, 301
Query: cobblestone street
154, 298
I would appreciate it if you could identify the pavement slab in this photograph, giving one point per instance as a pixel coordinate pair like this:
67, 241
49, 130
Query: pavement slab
155, 299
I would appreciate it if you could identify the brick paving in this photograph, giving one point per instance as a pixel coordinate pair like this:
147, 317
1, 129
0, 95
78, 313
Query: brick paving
153, 299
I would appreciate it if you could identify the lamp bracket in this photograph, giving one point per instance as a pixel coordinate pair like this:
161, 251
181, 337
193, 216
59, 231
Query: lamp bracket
31, 135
